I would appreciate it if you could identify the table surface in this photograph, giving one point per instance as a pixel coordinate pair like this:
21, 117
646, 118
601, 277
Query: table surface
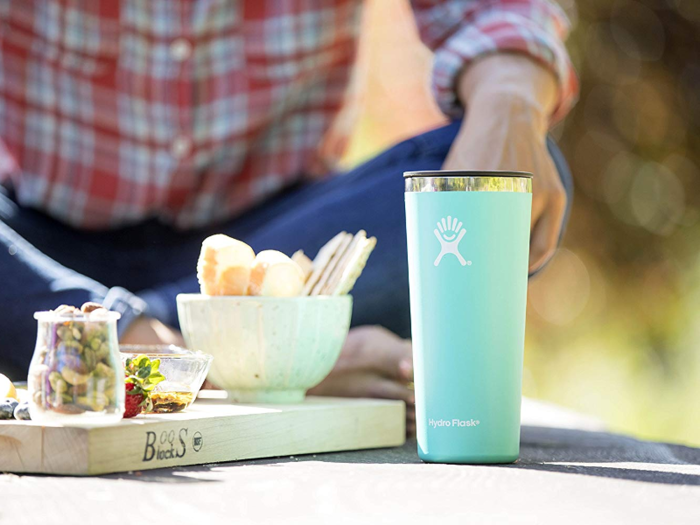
570, 471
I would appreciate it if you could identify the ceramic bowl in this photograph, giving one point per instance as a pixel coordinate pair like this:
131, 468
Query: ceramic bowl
266, 349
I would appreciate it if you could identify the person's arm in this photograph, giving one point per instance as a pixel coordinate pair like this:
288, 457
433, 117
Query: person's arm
510, 99
149, 331
504, 61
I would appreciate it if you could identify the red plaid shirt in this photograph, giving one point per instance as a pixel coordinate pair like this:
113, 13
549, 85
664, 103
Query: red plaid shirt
194, 110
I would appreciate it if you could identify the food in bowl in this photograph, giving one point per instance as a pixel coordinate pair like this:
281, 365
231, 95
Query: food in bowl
184, 372
266, 349
282, 331
227, 266
224, 266
339, 263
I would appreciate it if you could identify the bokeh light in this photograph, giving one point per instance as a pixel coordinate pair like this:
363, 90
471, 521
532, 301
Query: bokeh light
613, 321
569, 276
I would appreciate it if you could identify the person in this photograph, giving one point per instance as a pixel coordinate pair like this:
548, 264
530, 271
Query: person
129, 131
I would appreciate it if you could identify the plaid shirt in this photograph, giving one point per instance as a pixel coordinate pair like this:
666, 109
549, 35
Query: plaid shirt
194, 110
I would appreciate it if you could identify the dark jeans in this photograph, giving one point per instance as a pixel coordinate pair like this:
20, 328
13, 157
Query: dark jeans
140, 269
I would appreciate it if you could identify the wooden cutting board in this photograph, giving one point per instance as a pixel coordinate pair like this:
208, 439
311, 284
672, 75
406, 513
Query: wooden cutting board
211, 430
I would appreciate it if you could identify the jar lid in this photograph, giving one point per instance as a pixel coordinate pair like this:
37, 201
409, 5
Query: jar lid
94, 316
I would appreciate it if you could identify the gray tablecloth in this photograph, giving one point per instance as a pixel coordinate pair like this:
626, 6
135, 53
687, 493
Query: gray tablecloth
571, 471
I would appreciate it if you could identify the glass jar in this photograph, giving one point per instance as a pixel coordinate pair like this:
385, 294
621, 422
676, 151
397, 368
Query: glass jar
76, 375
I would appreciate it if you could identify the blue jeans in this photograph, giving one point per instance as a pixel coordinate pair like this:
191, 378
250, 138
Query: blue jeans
140, 269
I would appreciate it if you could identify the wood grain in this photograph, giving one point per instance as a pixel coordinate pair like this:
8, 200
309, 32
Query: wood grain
212, 430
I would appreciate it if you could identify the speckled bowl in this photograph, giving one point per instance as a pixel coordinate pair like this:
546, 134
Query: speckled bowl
266, 349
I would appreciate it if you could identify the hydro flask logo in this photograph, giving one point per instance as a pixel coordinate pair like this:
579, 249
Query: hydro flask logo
439, 423
450, 233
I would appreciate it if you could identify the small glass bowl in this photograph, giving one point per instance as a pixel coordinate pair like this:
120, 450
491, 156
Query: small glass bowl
184, 372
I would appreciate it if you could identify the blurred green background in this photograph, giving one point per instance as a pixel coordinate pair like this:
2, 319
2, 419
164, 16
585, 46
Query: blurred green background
613, 322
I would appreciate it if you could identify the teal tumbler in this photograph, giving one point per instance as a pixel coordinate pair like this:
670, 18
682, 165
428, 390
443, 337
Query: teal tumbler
468, 245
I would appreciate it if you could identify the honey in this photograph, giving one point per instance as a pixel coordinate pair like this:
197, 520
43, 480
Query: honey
167, 402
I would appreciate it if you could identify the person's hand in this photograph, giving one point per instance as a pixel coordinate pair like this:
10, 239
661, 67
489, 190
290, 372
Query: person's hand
508, 101
148, 331
373, 363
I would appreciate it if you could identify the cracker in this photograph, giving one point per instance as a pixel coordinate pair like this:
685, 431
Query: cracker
321, 260
304, 263
335, 276
354, 266
328, 270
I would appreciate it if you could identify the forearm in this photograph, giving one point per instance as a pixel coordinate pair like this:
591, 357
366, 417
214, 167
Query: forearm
34, 281
465, 35
508, 84
509, 101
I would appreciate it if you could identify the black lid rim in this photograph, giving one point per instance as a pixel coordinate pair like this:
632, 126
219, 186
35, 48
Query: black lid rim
466, 173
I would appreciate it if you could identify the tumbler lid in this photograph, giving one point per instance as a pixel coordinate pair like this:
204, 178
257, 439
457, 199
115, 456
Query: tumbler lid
466, 173
472, 181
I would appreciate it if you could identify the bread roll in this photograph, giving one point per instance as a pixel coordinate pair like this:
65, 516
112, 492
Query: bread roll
224, 266
276, 275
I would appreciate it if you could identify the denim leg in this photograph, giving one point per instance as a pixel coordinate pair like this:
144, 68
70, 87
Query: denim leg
369, 197
567, 180
32, 281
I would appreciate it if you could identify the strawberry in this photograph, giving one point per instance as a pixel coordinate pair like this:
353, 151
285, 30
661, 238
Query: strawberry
142, 376
132, 402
